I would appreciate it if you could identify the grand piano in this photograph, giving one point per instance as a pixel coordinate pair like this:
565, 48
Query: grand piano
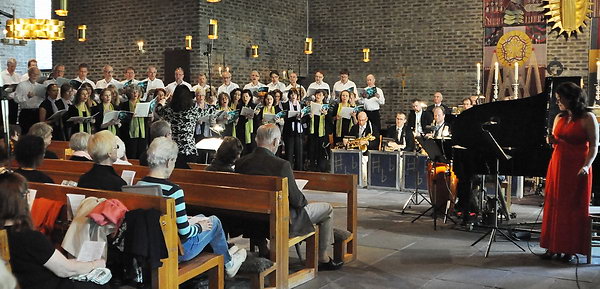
519, 126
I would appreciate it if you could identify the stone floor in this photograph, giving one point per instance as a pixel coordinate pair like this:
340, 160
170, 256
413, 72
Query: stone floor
395, 253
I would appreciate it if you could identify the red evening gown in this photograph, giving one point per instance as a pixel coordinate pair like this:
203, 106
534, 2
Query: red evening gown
565, 225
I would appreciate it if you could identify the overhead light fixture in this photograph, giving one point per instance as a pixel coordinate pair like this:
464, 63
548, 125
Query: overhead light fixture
308, 46
35, 29
213, 1
188, 42
366, 52
254, 50
62, 11
81, 33
213, 27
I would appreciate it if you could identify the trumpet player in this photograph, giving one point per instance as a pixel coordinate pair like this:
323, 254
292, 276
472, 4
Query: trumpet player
363, 129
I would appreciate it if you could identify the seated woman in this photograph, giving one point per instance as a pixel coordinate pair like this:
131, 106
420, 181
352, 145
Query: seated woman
229, 151
29, 153
78, 144
34, 261
103, 147
44, 131
195, 232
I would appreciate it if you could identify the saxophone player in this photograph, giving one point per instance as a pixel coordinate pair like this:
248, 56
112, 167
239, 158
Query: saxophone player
363, 129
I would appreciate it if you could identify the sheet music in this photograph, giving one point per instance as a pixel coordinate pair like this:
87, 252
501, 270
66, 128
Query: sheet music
268, 117
142, 109
73, 202
110, 115
57, 115
292, 113
301, 183
128, 176
31, 197
346, 112
315, 108
247, 112
91, 251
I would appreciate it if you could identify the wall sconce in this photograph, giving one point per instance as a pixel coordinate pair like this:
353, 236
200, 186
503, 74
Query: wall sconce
366, 52
140, 45
213, 26
254, 51
188, 42
308, 46
81, 33
62, 11
213, 1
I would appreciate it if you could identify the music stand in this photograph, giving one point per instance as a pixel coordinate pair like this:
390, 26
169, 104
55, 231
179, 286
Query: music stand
414, 197
499, 154
434, 154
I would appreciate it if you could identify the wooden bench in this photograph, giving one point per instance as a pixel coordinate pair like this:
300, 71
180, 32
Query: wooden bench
345, 250
172, 273
58, 147
273, 204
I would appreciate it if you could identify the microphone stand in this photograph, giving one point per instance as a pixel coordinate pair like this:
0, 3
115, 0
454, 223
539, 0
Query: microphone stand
5, 124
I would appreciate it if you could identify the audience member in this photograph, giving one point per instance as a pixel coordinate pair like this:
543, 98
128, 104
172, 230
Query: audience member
44, 131
78, 144
229, 151
103, 147
29, 153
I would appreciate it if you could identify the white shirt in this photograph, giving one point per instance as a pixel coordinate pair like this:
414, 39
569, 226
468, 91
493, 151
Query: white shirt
199, 87
171, 87
10, 79
85, 80
227, 88
22, 95
418, 127
24, 77
349, 85
152, 84
314, 86
373, 103
279, 85
102, 83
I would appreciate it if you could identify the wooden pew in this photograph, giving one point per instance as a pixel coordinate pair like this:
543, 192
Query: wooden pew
273, 204
58, 147
331, 183
322, 182
172, 273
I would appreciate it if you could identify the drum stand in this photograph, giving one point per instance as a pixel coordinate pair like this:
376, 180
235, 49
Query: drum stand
414, 197
495, 230
433, 207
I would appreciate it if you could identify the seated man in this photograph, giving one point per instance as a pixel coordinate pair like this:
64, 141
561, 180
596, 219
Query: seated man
363, 129
302, 215
402, 134
195, 232
439, 129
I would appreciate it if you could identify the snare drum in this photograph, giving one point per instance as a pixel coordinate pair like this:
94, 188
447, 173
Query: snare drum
441, 182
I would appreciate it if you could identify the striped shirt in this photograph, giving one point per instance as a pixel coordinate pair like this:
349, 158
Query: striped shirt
171, 190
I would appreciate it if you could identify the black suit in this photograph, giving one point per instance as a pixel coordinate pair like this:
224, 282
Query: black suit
406, 135
369, 129
263, 162
426, 119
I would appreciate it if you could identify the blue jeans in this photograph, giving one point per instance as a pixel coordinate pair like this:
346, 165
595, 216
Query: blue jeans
215, 237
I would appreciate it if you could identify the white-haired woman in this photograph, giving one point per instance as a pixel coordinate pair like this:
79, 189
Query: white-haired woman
78, 144
195, 232
103, 147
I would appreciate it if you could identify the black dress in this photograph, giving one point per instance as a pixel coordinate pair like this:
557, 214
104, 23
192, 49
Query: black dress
242, 125
137, 142
58, 127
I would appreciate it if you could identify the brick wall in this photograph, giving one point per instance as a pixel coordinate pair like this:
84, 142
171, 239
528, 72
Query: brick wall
572, 52
113, 33
437, 42
24, 9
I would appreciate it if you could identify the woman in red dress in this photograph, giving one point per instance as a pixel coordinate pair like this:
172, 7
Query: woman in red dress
565, 225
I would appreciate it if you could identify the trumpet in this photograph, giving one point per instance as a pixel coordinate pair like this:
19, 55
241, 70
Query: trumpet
357, 143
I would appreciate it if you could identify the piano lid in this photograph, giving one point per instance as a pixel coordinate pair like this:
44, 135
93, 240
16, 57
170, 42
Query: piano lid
519, 124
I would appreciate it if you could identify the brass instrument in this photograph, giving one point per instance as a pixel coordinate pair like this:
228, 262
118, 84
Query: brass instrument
356, 143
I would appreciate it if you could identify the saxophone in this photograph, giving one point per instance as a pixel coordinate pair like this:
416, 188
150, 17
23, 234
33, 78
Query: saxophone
356, 143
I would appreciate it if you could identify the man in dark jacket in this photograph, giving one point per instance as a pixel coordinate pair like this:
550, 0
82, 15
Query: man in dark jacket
263, 161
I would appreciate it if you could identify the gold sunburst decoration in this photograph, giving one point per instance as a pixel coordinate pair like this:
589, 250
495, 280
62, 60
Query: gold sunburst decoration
514, 46
568, 16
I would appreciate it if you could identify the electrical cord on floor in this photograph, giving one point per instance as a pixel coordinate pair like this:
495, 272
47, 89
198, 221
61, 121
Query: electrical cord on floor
530, 250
